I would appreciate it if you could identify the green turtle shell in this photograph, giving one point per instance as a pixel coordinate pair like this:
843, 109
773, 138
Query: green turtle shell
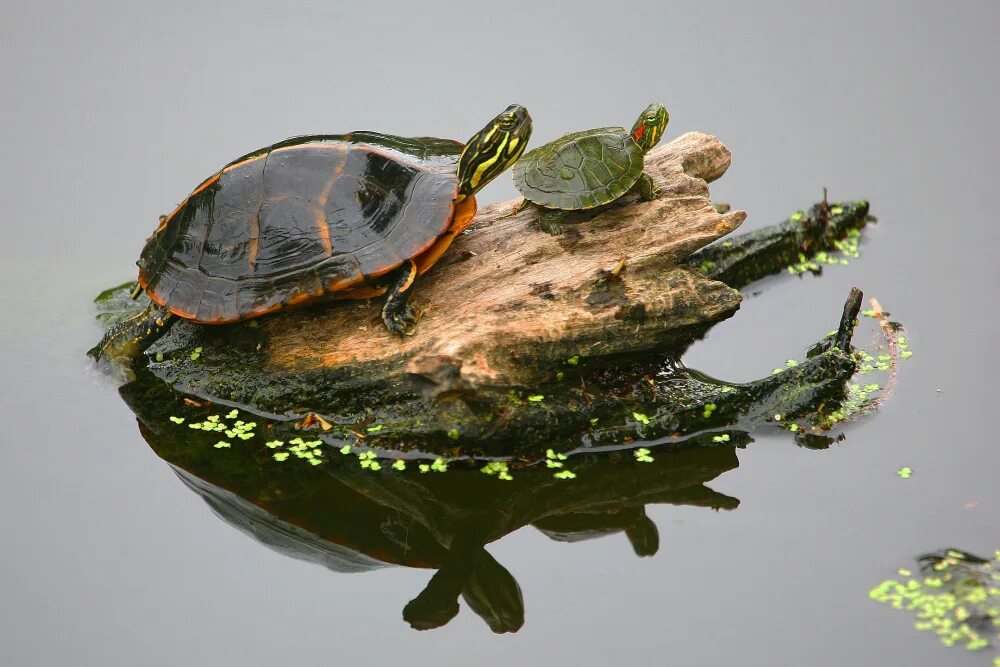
580, 170
299, 220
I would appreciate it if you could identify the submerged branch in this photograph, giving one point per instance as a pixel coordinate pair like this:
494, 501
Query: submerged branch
803, 242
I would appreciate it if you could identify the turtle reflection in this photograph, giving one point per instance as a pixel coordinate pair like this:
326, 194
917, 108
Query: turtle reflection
440, 522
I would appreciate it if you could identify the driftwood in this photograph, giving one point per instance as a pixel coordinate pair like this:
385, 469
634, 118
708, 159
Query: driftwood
529, 339
508, 301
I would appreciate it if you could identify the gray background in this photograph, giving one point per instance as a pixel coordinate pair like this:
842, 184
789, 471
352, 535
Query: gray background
112, 112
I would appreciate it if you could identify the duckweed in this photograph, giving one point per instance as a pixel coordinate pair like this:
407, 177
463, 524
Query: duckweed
400, 465
498, 468
847, 247
437, 466
565, 474
960, 602
222, 444
709, 409
905, 472
554, 459
196, 354
177, 420
721, 438
641, 418
375, 428
536, 398
642, 455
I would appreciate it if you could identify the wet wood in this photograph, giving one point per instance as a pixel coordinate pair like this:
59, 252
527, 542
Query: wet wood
508, 301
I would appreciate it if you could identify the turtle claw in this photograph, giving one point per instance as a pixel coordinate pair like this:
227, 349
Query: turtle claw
399, 323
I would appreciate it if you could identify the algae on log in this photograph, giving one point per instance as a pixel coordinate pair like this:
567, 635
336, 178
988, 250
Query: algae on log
652, 400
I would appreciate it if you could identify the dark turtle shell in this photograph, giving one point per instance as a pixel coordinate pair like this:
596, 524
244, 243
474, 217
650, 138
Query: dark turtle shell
580, 170
312, 216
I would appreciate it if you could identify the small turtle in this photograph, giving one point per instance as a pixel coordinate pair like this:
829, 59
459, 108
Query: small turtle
590, 168
349, 216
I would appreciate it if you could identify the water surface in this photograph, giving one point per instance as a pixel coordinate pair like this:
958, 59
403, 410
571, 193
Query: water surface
113, 112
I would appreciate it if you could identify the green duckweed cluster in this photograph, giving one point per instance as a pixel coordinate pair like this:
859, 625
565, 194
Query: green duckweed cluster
957, 598
846, 247
556, 460
790, 363
308, 450
641, 418
904, 348
214, 424
438, 465
642, 455
498, 468
861, 394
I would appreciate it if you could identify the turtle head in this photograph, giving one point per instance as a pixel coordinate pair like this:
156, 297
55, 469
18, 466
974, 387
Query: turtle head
489, 152
649, 128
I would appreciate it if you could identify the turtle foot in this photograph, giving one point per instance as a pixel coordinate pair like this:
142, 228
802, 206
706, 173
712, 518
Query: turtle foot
647, 190
399, 323
550, 222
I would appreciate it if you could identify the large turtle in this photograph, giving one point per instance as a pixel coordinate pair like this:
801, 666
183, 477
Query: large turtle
590, 168
347, 216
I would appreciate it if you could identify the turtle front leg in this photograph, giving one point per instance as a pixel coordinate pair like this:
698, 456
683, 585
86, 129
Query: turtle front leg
647, 189
130, 337
396, 313
550, 221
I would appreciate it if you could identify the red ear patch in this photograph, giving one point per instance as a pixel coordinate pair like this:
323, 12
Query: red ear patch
639, 131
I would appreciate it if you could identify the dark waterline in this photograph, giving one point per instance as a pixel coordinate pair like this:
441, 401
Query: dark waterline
112, 114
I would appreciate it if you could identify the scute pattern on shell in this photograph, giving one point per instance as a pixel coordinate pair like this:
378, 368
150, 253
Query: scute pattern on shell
300, 220
580, 170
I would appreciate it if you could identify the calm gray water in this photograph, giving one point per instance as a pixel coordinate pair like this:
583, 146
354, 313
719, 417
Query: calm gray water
113, 112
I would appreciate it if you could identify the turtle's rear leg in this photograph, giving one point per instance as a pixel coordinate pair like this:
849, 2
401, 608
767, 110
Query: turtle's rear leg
646, 188
396, 313
133, 335
551, 221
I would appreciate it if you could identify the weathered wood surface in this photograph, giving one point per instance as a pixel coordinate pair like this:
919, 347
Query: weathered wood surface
507, 298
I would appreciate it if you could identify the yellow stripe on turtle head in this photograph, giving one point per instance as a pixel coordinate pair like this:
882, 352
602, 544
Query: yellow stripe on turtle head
492, 150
